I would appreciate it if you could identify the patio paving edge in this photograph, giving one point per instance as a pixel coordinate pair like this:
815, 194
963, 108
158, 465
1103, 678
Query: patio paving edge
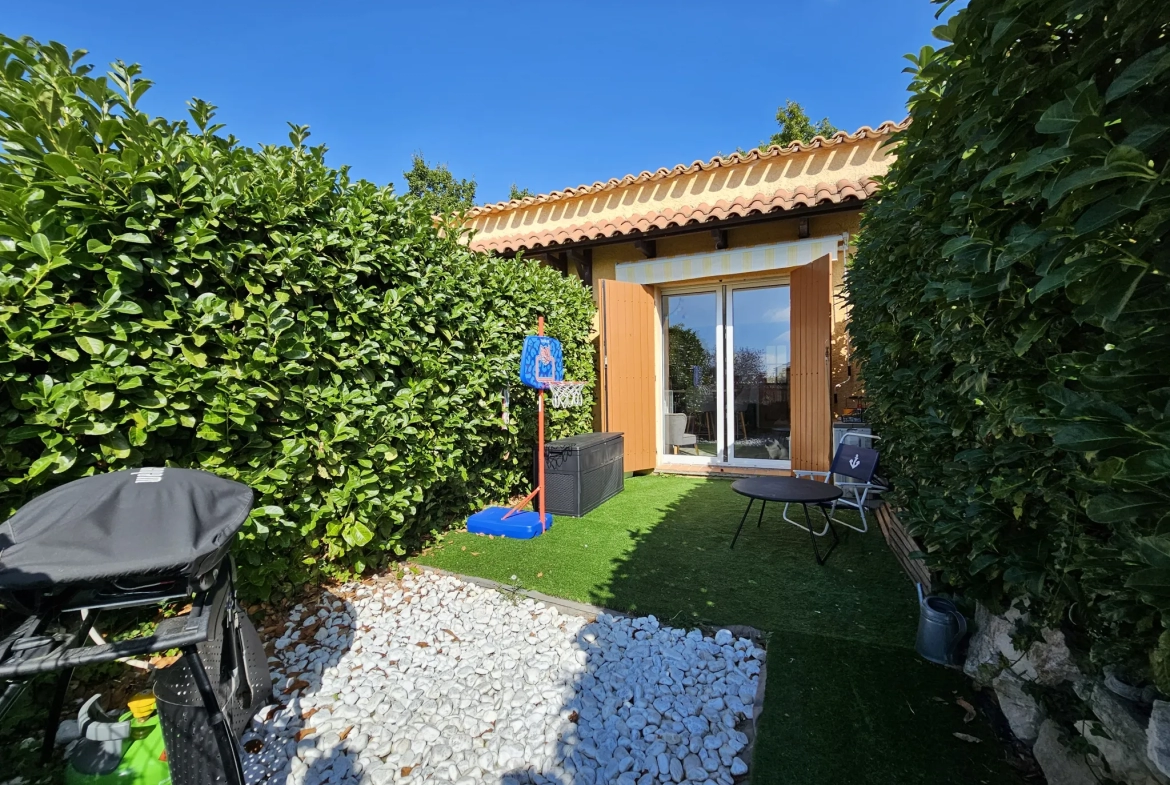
585, 610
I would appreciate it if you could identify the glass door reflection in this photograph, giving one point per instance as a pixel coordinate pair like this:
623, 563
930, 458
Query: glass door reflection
759, 345
690, 333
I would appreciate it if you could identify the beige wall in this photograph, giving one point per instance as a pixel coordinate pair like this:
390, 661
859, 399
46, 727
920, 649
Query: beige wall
606, 258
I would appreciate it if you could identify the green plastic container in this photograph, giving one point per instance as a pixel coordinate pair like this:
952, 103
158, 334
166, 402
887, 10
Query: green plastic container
143, 758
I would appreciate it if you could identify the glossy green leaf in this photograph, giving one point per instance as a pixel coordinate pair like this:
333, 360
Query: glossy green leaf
61, 164
357, 534
66, 353
1031, 333
22, 432
1155, 581
115, 445
89, 344
1140, 72
1059, 118
1112, 298
133, 237
1111, 208
1091, 436
39, 244
196, 358
1147, 466
1155, 551
42, 464
1118, 507
99, 400
209, 433
100, 428
1041, 159
1062, 276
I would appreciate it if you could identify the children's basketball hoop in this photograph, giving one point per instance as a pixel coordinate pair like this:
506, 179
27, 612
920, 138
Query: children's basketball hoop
565, 395
541, 361
542, 367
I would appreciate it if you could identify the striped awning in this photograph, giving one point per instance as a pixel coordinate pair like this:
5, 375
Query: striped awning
757, 258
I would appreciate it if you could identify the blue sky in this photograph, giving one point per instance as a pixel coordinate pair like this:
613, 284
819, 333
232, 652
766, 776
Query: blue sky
545, 94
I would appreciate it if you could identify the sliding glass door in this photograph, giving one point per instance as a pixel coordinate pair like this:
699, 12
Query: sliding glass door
727, 355
758, 335
692, 332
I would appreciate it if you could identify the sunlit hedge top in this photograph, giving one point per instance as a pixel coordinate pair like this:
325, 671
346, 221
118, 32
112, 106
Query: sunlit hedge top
1011, 311
167, 295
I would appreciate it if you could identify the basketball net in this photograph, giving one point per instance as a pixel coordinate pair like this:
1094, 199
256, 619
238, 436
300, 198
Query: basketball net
564, 395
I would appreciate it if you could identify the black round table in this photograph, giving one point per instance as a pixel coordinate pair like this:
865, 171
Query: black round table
790, 490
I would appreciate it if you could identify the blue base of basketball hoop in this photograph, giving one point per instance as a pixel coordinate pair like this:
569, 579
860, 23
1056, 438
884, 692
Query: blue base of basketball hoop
518, 526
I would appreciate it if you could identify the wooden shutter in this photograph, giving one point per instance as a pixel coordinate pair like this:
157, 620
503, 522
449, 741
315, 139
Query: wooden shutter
627, 369
811, 336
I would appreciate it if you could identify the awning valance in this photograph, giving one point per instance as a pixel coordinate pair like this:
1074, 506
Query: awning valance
757, 258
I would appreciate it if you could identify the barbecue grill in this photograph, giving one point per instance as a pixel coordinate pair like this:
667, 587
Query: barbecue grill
138, 538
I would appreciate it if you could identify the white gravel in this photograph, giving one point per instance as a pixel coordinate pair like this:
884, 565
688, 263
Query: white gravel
437, 680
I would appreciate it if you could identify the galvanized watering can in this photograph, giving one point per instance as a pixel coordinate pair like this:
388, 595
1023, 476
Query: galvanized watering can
941, 628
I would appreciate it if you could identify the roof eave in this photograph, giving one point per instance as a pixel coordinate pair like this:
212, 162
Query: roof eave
885, 129
512, 246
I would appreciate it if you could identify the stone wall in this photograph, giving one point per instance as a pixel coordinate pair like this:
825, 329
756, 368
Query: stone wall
1123, 735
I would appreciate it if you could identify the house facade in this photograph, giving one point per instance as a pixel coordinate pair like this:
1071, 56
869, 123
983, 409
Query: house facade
721, 330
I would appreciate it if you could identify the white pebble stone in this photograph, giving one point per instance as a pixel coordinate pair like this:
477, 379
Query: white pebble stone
465, 685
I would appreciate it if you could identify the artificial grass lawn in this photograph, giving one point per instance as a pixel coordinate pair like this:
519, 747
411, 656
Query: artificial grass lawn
847, 698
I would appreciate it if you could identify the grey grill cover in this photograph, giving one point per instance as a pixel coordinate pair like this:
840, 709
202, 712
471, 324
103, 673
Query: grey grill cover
131, 522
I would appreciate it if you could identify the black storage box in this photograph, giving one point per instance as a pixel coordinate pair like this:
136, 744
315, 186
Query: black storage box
581, 472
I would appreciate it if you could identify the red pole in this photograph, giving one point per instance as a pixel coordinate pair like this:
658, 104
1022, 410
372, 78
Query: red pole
540, 437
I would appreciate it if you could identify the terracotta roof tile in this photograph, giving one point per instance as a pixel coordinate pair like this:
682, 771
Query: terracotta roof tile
887, 128
804, 196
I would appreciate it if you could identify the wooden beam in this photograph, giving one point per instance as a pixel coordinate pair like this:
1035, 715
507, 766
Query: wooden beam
902, 544
648, 248
720, 236
558, 261
583, 259
802, 228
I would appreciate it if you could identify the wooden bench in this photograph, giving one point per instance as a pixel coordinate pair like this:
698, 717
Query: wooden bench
902, 544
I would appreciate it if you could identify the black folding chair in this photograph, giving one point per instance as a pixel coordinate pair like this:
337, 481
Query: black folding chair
859, 465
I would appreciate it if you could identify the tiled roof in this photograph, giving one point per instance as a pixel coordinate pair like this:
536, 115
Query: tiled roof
754, 183
821, 193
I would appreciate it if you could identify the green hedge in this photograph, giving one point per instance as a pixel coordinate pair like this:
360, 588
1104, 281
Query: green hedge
169, 296
1011, 311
